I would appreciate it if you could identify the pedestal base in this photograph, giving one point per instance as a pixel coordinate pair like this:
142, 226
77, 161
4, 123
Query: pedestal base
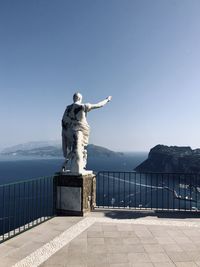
76, 194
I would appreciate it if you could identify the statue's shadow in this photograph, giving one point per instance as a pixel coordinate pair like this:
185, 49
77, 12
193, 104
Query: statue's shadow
133, 214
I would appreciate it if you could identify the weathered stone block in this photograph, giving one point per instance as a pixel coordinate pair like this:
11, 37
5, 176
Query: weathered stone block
75, 194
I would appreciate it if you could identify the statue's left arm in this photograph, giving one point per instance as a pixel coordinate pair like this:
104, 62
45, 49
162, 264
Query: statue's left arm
99, 104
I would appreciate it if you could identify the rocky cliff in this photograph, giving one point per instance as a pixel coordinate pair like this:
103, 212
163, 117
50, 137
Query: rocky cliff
171, 159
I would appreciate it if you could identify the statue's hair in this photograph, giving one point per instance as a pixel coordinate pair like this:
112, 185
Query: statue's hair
77, 96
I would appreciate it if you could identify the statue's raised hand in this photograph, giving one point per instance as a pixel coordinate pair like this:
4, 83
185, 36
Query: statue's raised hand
109, 98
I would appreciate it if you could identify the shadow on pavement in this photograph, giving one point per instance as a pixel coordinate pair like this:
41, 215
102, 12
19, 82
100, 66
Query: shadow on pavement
132, 214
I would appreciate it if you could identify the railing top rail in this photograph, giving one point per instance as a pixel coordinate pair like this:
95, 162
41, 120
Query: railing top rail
164, 173
26, 181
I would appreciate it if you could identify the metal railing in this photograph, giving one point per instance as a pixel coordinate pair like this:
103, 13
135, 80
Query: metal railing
24, 205
159, 191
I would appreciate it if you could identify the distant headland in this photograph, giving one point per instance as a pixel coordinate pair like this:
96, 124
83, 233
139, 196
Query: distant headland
176, 159
48, 149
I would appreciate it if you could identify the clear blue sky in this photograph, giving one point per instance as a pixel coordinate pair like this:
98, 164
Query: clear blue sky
145, 53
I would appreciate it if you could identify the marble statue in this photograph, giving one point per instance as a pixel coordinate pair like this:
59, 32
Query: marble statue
75, 134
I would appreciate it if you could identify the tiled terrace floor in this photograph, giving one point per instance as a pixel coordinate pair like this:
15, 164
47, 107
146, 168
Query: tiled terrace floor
107, 239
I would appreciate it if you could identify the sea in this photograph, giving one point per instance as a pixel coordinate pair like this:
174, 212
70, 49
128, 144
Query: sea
14, 170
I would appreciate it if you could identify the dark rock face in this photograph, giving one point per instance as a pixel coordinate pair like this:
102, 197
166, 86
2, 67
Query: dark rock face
171, 159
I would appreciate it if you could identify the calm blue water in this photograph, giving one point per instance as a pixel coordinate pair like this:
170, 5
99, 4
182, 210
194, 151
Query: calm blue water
11, 171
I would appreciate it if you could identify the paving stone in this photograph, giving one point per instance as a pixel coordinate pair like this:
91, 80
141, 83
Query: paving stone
148, 240
120, 264
124, 227
186, 264
114, 248
96, 248
182, 239
109, 228
22, 252
7, 262
97, 259
95, 240
131, 240
195, 255
113, 241
142, 264
159, 257
172, 248
5, 249
95, 234
188, 246
163, 264
138, 257
153, 248
127, 234
179, 256
111, 234
165, 240
118, 258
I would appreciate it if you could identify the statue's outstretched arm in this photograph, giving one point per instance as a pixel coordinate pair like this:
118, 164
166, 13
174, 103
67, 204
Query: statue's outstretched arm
101, 103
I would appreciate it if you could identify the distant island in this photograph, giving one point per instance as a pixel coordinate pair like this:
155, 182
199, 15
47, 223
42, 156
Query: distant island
52, 150
176, 159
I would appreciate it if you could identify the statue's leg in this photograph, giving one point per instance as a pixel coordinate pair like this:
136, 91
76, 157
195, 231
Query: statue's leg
77, 164
84, 157
66, 148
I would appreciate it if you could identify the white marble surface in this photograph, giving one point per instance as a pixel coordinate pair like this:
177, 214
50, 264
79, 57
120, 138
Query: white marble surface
75, 133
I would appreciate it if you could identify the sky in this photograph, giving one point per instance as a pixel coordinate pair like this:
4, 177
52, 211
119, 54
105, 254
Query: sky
145, 53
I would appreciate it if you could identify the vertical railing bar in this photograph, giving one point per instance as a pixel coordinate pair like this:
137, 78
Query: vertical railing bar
146, 198
40, 201
9, 203
157, 175
14, 219
103, 189
43, 200
135, 189
129, 190
114, 197
151, 193
179, 204
124, 191
19, 213
29, 204
33, 202
48, 197
191, 185
3, 212
119, 189
24, 203
174, 188
140, 193
46, 208
46, 215
168, 198
98, 188
162, 192
108, 204
36, 201
185, 183
196, 192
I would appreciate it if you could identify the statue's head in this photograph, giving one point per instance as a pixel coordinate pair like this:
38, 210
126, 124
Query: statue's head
77, 97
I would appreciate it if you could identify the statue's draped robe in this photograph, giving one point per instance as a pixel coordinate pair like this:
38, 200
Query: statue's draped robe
73, 122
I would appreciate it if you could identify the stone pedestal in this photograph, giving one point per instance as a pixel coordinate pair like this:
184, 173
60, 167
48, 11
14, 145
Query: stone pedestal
75, 194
